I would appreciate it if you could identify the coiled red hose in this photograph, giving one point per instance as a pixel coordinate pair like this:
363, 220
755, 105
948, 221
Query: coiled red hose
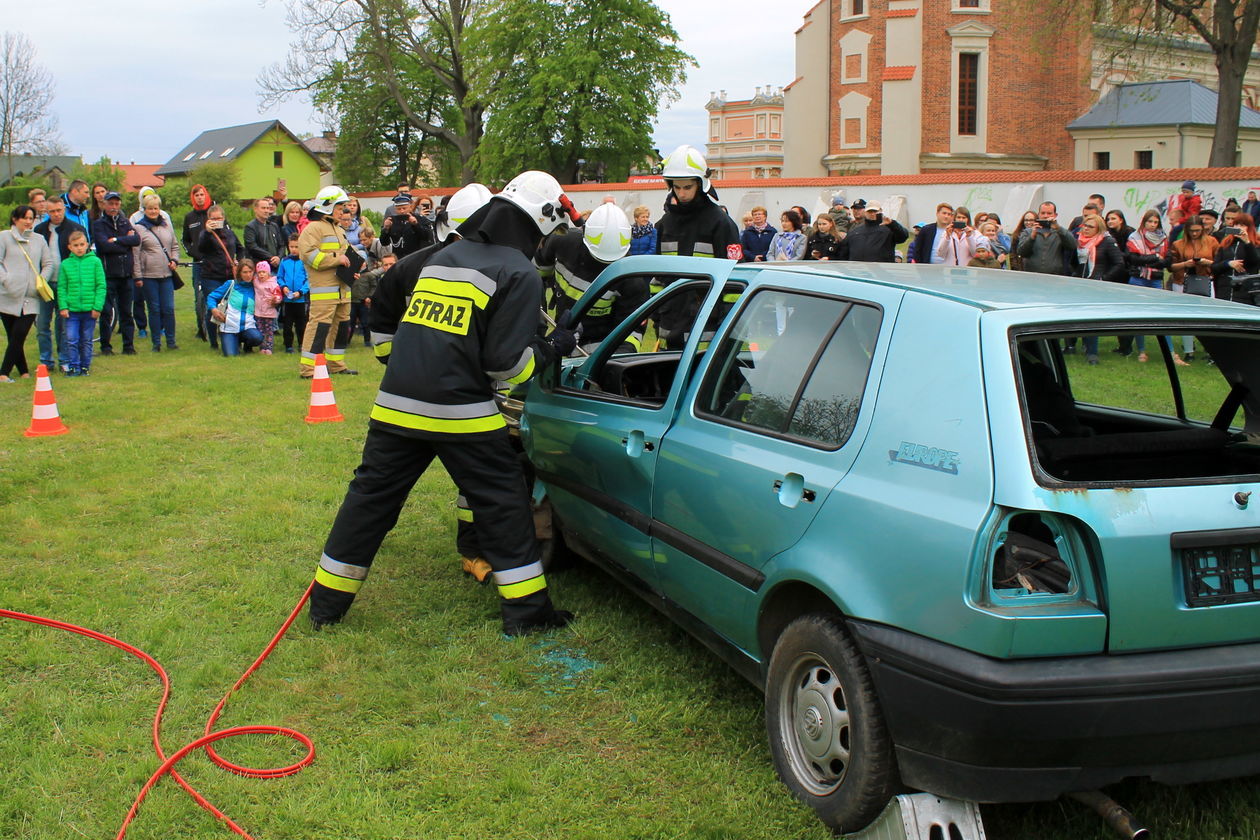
168, 764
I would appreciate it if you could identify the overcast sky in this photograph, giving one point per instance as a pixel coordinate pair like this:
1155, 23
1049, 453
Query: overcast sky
138, 80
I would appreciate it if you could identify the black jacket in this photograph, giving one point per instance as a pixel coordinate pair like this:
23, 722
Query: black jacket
472, 319
1109, 263
699, 228
874, 242
407, 233
64, 230
117, 254
215, 263
565, 261
264, 240
823, 244
194, 224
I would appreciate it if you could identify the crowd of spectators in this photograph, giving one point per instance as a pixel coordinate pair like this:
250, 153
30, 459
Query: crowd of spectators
256, 286
249, 288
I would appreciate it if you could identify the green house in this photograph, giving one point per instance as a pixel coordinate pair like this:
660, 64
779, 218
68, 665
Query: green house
266, 153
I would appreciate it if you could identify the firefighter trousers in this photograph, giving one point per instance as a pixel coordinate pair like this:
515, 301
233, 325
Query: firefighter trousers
327, 331
488, 474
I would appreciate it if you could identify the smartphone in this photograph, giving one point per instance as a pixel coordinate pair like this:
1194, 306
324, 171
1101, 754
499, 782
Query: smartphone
1231, 231
959, 224
281, 183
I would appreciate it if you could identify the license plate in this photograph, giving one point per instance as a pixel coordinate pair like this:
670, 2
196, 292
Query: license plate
1220, 568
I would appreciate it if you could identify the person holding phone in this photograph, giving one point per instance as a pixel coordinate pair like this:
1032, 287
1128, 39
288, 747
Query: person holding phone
1046, 247
219, 249
1237, 255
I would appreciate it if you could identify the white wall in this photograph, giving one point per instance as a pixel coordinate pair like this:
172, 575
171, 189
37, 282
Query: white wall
916, 203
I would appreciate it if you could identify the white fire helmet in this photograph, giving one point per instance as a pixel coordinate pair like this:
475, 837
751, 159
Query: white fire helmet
466, 201
540, 196
607, 233
686, 162
328, 198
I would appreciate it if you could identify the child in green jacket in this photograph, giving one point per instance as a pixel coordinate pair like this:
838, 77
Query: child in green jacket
80, 297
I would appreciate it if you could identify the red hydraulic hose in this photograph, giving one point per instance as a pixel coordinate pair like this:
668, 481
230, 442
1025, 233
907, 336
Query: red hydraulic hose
168, 764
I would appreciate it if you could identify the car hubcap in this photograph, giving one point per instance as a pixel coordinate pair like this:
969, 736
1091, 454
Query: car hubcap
815, 726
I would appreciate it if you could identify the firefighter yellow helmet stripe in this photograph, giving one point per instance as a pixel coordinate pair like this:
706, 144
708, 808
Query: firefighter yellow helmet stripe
594, 238
337, 582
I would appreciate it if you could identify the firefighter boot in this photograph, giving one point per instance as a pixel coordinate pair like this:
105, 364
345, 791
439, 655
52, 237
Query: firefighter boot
532, 614
328, 605
478, 568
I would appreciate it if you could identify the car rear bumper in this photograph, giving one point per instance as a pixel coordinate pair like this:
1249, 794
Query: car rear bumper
972, 727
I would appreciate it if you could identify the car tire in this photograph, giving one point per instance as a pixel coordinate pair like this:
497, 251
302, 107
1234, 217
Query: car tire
827, 733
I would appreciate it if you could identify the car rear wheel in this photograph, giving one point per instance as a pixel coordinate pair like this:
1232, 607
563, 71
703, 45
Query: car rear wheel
827, 734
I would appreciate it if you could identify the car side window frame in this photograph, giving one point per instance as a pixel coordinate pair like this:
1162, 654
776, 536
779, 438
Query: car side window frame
590, 368
718, 368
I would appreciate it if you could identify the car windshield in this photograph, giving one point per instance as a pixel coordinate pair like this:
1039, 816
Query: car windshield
1119, 406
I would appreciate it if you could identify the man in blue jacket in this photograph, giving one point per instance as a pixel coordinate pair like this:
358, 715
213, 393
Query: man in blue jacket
76, 201
114, 238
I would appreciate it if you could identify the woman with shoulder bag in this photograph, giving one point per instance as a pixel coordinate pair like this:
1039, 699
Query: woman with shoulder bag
155, 260
26, 263
219, 250
1237, 255
1191, 258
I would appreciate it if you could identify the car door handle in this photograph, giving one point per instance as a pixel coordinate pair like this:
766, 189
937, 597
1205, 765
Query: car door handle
636, 444
791, 490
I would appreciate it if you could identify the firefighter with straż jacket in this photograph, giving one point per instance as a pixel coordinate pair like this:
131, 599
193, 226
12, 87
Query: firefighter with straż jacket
393, 294
471, 319
573, 261
322, 245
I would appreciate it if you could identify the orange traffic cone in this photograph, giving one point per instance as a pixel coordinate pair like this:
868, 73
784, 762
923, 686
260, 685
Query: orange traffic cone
45, 419
323, 404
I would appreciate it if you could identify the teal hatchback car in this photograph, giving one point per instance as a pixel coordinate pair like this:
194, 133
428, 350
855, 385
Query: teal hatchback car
955, 556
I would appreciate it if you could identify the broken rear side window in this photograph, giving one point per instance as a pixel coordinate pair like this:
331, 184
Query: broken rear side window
1097, 413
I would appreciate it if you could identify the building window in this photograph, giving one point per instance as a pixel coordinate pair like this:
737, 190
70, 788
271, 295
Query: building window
971, 7
854, 47
853, 119
715, 130
1102, 160
277, 159
761, 125
968, 92
775, 125
852, 9
1144, 159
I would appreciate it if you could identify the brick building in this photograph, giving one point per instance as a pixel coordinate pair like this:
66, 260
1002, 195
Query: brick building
907, 86
746, 135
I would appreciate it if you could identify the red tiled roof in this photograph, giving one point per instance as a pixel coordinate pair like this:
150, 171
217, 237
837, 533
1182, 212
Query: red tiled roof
987, 176
900, 73
140, 175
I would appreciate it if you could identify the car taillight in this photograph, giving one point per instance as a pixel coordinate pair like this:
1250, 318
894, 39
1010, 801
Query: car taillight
1035, 557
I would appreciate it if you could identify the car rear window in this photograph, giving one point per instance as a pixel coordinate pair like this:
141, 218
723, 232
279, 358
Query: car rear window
793, 365
1096, 412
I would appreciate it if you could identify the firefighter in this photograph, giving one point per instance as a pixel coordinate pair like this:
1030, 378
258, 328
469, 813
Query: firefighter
392, 293
388, 305
575, 259
693, 225
472, 318
322, 245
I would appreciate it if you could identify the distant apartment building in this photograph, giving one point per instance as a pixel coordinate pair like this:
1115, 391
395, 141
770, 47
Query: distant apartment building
910, 86
746, 135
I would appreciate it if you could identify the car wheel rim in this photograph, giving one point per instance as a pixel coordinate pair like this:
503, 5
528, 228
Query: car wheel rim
814, 724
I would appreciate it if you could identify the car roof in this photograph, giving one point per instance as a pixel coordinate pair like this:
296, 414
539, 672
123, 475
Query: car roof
992, 289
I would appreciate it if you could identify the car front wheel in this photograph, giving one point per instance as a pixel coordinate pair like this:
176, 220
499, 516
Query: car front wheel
827, 735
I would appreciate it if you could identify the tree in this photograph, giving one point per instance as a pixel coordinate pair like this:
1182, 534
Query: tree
406, 39
27, 122
102, 171
1228, 27
580, 81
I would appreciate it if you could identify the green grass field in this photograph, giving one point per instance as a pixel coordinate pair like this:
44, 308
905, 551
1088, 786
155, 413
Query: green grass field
184, 514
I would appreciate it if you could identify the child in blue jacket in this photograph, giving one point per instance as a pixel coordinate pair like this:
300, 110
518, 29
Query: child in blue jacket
291, 277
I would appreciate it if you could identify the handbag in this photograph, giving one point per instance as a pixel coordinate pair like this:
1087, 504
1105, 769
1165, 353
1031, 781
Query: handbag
223, 305
177, 282
41, 285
